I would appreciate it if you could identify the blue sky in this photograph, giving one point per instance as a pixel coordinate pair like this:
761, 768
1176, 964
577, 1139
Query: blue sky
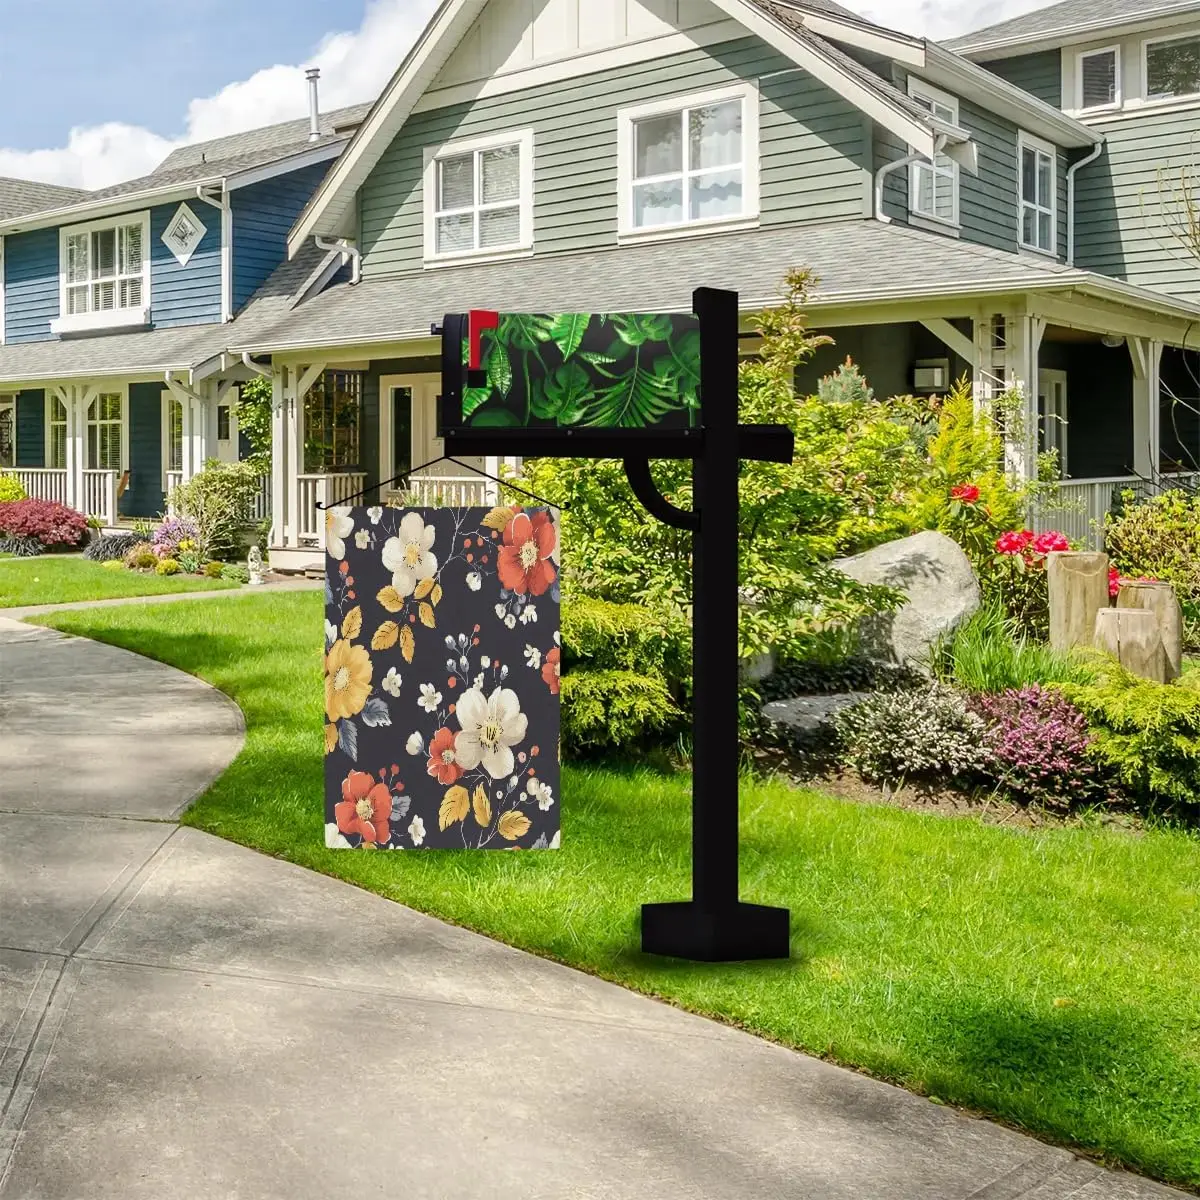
182, 50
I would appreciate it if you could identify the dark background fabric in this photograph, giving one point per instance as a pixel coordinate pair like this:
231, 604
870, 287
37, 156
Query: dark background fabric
459, 631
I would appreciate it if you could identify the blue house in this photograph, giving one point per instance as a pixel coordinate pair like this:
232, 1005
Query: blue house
115, 309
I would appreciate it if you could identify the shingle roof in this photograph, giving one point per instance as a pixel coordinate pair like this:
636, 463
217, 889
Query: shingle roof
336, 122
854, 261
21, 196
146, 351
1068, 17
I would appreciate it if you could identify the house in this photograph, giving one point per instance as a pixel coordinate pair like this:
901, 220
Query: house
116, 308
564, 155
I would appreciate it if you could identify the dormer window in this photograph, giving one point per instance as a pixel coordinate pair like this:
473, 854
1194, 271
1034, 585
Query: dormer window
1100, 78
1172, 67
104, 275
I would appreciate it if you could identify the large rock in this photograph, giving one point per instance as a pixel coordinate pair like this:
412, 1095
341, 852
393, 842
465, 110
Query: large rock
808, 719
935, 575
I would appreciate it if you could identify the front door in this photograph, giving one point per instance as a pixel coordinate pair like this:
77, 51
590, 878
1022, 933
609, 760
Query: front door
409, 427
1052, 409
227, 434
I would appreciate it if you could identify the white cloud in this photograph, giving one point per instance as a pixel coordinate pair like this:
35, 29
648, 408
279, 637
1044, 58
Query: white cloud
354, 67
938, 19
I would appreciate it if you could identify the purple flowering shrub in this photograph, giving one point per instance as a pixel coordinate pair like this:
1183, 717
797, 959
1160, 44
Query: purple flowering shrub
174, 535
1039, 742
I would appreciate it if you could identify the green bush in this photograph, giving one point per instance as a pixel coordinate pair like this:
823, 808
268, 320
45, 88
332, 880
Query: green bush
235, 572
141, 557
11, 488
989, 656
189, 562
167, 566
1160, 538
615, 709
218, 501
1147, 733
212, 570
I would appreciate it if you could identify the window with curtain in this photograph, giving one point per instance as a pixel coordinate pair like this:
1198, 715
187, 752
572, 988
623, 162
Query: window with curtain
104, 268
1173, 67
933, 187
104, 432
56, 434
333, 422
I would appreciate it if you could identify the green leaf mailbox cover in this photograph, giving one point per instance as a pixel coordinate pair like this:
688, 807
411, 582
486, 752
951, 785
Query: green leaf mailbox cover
587, 370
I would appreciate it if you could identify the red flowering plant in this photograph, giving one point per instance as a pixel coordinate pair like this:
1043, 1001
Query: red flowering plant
50, 523
1020, 576
965, 493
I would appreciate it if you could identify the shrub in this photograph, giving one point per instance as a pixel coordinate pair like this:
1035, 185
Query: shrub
11, 489
923, 735
141, 557
166, 566
212, 570
1160, 538
1039, 741
21, 547
52, 524
235, 572
173, 535
988, 655
189, 562
113, 564
111, 547
606, 709
1146, 733
217, 502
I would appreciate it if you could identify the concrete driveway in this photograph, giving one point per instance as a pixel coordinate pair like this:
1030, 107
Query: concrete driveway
181, 1018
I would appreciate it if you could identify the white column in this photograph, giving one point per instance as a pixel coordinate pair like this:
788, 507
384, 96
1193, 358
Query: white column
1024, 352
279, 509
295, 452
1147, 432
74, 400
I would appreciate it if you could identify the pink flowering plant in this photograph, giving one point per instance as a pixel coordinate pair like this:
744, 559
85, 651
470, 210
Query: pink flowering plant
1039, 743
174, 536
1018, 576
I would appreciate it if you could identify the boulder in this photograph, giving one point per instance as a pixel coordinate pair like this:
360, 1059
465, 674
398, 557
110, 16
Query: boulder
807, 718
941, 589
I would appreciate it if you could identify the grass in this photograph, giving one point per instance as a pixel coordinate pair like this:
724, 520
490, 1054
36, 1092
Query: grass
54, 579
1048, 978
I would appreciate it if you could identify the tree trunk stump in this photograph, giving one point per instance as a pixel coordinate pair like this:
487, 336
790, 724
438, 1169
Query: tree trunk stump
1160, 599
1078, 584
1133, 638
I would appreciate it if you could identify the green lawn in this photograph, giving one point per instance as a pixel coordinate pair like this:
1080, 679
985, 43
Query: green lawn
1049, 978
52, 579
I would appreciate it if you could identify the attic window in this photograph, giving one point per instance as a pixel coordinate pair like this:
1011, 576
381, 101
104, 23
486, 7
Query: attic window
104, 268
1173, 67
1100, 78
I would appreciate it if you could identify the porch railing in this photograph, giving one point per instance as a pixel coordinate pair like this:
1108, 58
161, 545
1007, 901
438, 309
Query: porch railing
1083, 504
42, 483
174, 479
100, 495
450, 491
323, 489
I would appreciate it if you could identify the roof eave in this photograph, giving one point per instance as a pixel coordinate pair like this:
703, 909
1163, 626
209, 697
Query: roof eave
112, 206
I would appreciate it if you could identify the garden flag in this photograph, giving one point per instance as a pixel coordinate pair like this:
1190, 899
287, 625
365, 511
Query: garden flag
442, 651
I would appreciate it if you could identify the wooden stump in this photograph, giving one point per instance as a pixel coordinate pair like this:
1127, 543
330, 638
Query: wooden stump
1133, 638
1078, 585
1160, 599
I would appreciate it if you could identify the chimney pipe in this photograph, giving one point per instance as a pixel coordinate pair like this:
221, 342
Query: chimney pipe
314, 111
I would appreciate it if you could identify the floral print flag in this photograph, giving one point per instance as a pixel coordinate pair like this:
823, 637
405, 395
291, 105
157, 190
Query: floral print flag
442, 652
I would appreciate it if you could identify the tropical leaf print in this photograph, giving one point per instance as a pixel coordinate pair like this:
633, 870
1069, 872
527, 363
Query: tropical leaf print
567, 330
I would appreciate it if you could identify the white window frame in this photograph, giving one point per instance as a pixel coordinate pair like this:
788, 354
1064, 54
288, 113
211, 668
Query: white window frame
1190, 35
523, 139
919, 89
123, 392
1119, 90
112, 318
626, 229
1026, 141
48, 424
168, 399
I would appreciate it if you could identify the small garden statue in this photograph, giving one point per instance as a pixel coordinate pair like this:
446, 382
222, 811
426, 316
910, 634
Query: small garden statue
255, 564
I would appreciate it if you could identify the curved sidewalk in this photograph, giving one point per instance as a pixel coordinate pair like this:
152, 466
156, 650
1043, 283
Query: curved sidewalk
184, 1019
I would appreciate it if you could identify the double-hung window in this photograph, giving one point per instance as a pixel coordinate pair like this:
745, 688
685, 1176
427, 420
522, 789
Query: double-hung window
479, 197
104, 271
689, 161
1172, 67
933, 186
105, 432
1039, 186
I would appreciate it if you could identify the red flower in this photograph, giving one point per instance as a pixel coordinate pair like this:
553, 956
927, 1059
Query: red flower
1114, 582
524, 561
1051, 543
1014, 542
443, 765
366, 808
550, 671
967, 493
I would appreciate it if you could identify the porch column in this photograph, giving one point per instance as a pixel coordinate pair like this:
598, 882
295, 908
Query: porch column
294, 421
279, 511
989, 362
1147, 433
72, 399
1024, 351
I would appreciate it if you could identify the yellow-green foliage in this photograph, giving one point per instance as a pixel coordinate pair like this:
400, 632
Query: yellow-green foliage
608, 709
141, 557
167, 566
11, 489
1147, 733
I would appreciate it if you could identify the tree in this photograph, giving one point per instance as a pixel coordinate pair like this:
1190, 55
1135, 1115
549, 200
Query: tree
254, 420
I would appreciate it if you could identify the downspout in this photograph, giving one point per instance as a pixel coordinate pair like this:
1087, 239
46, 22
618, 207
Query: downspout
226, 210
346, 247
884, 171
251, 365
1083, 162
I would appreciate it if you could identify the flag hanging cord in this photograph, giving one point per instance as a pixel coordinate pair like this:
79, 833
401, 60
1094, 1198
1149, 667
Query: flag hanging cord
433, 463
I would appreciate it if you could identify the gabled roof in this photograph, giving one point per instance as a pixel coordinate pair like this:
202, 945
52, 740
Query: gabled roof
18, 196
1071, 20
